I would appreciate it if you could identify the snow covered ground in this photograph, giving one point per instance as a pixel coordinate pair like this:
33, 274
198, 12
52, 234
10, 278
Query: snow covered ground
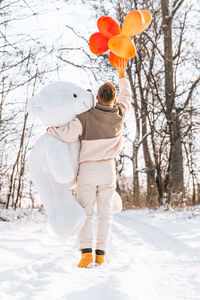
151, 255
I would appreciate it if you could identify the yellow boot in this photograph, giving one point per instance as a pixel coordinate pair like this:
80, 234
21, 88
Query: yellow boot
99, 257
86, 259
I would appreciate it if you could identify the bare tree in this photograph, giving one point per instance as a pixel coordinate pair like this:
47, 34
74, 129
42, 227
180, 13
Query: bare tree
161, 96
164, 107
24, 67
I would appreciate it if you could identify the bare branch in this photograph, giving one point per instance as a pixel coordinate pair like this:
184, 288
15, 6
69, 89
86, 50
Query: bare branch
195, 83
155, 45
176, 7
77, 34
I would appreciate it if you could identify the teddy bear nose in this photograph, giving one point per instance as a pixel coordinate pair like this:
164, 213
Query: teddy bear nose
89, 90
74, 95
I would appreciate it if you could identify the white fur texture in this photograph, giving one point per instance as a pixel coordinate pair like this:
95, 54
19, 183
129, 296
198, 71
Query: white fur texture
53, 165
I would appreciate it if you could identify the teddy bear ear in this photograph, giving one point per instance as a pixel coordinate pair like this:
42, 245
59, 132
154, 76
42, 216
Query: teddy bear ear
34, 106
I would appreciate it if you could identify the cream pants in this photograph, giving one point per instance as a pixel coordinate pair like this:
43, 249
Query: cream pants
96, 181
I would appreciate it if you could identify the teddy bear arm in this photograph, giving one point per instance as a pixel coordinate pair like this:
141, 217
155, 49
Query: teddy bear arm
59, 160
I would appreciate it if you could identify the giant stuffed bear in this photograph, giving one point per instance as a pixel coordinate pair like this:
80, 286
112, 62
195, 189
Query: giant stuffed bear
53, 165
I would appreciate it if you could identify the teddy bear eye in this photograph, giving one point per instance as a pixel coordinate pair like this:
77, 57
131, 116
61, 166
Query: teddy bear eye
75, 95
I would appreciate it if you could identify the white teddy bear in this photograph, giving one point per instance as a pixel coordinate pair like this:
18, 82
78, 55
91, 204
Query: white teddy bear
53, 165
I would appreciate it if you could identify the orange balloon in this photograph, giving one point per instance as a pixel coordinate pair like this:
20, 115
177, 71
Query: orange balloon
108, 26
122, 46
134, 23
116, 60
147, 17
98, 43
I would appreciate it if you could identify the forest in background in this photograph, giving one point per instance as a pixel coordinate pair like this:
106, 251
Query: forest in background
161, 135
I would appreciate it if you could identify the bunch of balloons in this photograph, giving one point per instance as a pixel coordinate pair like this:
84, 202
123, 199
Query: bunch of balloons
110, 36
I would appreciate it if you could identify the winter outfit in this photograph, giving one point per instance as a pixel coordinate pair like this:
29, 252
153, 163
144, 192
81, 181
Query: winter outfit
99, 131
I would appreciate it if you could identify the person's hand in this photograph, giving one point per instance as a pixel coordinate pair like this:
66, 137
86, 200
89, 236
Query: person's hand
47, 128
121, 68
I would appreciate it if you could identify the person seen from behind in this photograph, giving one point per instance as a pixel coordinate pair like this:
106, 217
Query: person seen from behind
100, 134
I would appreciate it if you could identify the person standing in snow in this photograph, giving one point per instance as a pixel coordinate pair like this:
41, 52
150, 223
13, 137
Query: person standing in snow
100, 134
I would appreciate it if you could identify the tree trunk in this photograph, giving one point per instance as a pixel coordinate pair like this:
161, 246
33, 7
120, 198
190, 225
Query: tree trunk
174, 177
150, 171
135, 174
177, 159
135, 142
